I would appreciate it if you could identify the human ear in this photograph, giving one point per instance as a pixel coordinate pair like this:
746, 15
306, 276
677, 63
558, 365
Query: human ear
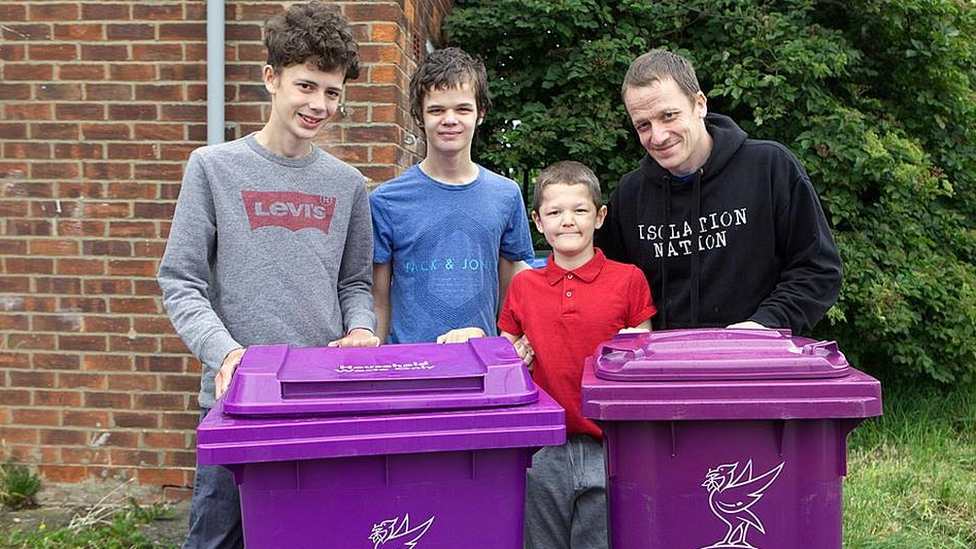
270, 78
601, 214
538, 221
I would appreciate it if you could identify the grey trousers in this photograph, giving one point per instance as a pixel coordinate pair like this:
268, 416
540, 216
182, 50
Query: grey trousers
565, 497
215, 510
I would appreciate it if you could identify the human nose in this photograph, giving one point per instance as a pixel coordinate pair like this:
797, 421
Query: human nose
318, 102
450, 118
658, 135
566, 219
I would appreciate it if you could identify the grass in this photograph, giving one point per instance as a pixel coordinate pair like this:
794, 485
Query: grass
118, 529
18, 485
912, 473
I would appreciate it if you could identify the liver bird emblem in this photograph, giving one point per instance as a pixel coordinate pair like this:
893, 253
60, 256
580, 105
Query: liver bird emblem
730, 496
397, 534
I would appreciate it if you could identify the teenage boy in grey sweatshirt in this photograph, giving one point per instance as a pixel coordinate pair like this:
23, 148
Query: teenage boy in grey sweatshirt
271, 241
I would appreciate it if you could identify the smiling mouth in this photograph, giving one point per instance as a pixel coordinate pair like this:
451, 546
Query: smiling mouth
310, 119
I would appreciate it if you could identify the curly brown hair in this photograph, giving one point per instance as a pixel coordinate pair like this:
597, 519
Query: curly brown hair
448, 68
316, 33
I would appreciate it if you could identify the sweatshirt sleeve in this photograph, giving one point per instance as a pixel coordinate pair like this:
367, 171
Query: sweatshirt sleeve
810, 280
356, 270
185, 270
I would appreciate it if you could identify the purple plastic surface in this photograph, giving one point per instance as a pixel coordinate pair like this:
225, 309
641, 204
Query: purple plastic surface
723, 458
282, 380
719, 354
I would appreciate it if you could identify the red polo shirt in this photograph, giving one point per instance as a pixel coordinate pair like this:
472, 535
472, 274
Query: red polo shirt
566, 314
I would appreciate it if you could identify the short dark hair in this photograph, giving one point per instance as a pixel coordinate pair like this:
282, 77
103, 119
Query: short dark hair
657, 65
315, 32
448, 68
567, 172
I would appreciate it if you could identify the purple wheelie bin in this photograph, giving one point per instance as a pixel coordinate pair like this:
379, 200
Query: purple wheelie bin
725, 438
401, 446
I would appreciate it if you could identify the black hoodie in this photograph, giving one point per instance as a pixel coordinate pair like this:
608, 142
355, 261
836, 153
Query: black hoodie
743, 239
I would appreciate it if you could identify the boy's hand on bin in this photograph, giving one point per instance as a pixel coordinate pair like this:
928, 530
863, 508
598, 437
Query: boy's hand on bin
525, 351
226, 371
460, 335
357, 337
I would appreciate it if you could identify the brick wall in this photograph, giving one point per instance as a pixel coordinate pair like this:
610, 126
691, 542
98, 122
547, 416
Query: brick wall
100, 104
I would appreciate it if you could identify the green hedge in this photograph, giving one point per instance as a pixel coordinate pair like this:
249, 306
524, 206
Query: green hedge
875, 98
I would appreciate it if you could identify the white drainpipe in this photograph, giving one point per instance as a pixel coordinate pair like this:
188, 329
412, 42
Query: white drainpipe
215, 71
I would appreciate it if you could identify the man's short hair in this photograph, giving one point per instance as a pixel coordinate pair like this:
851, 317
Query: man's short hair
657, 65
315, 33
444, 69
567, 172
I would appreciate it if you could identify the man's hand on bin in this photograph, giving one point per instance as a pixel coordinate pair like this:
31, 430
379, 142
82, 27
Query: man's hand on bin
748, 324
460, 335
226, 371
357, 337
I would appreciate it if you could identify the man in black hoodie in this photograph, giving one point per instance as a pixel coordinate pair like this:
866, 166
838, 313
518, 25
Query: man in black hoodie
728, 230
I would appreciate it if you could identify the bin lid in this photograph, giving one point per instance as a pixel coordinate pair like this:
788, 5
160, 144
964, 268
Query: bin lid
715, 373
719, 354
282, 380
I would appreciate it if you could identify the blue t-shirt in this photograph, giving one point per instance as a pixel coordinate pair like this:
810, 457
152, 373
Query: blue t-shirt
443, 242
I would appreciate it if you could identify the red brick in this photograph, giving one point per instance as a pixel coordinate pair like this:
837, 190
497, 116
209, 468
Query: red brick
12, 247
147, 287
84, 418
63, 437
180, 459
189, 384
54, 130
107, 247
159, 132
14, 284
164, 440
13, 360
134, 306
81, 72
12, 131
24, 341
29, 266
12, 52
378, 173
160, 477
148, 249
81, 304
12, 170
42, 380
25, 32
105, 131
166, 92
81, 342
29, 190
60, 397
157, 52
135, 457
57, 323
85, 456
143, 210
172, 345
87, 151
111, 12
132, 382
132, 229
34, 150
122, 267
57, 285
106, 209
36, 416
83, 32
29, 111
381, 54
15, 91
157, 12
69, 92
13, 13
163, 402
168, 192
13, 208
108, 92
243, 32
79, 111
130, 72
25, 227
139, 420
187, 113
106, 170
50, 361
146, 171
52, 52
62, 473
12, 435
54, 247
126, 344
131, 190
107, 324
81, 267
135, 151
18, 323
128, 32
107, 363
374, 12
159, 363
182, 72
54, 170
108, 400
183, 31
108, 286
120, 439
243, 112
15, 397
180, 420
53, 12
132, 112
28, 71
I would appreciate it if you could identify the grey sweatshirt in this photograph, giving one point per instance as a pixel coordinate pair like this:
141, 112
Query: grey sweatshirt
265, 249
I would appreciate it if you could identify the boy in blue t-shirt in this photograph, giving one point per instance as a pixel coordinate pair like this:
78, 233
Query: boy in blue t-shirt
448, 234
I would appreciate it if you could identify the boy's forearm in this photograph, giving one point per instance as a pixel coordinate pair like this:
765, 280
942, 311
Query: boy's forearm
382, 277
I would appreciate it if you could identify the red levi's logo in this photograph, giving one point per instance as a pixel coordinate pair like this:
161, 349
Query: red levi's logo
293, 211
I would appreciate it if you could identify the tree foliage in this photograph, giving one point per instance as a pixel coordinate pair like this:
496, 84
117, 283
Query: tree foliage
874, 96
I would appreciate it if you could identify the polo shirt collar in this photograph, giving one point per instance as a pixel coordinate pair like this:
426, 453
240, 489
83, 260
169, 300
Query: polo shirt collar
587, 272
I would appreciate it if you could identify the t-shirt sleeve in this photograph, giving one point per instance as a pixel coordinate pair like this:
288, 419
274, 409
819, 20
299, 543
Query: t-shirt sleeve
382, 229
516, 242
641, 304
510, 320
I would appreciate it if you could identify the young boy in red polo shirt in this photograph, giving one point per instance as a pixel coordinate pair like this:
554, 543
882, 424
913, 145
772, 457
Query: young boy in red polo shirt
579, 300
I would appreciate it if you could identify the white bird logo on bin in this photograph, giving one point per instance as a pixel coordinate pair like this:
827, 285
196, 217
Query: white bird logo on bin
730, 500
397, 534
